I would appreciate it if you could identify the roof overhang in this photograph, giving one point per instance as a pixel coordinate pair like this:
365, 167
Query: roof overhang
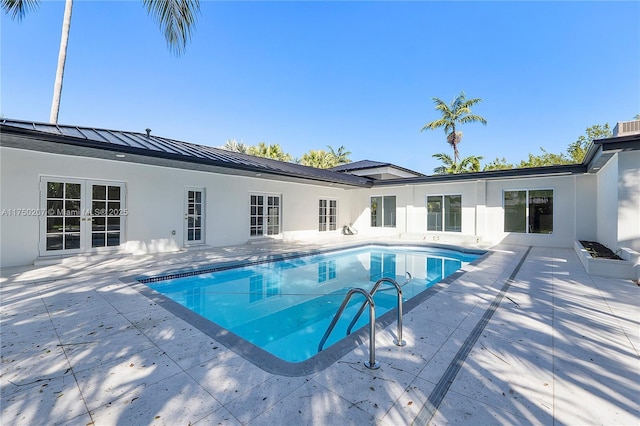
13, 137
532, 172
601, 150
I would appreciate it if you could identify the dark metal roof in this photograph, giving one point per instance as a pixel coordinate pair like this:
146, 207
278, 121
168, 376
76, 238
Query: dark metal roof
493, 174
359, 165
159, 148
156, 146
368, 164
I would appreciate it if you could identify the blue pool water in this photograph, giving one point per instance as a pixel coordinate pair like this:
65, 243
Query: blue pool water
286, 306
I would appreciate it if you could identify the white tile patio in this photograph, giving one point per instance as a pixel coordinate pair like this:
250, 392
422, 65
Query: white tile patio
78, 346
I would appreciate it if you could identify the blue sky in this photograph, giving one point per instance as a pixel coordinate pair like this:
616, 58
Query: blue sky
360, 74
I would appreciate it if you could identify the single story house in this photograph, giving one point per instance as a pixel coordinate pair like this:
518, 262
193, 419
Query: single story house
71, 190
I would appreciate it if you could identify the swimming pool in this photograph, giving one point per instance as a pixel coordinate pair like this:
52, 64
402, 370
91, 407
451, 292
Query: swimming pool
285, 307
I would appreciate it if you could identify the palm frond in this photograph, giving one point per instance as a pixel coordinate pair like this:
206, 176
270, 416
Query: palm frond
19, 8
473, 119
445, 158
441, 122
176, 19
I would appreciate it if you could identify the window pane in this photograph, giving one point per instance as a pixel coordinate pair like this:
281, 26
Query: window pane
72, 224
389, 211
376, 211
113, 209
54, 190
98, 224
54, 208
113, 239
99, 192
98, 239
73, 191
434, 213
541, 211
113, 224
71, 241
54, 242
99, 208
54, 224
114, 193
453, 213
72, 208
515, 211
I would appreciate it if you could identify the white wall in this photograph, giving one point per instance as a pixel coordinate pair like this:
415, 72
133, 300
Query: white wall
155, 202
585, 206
607, 209
563, 211
482, 211
586, 202
629, 200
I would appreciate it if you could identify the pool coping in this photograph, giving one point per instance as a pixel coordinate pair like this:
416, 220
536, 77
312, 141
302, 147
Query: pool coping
267, 361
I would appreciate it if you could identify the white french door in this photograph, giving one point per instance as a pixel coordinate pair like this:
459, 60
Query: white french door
194, 216
81, 216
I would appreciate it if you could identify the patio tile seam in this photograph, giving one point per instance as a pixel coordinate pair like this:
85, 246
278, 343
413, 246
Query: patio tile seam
436, 397
615, 317
64, 351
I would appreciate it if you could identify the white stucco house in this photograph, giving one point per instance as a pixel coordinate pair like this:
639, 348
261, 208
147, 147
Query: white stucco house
69, 190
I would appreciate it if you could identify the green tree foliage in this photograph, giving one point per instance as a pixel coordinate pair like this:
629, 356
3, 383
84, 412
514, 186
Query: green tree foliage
574, 155
544, 159
577, 150
454, 114
450, 166
339, 157
320, 159
273, 151
235, 146
498, 164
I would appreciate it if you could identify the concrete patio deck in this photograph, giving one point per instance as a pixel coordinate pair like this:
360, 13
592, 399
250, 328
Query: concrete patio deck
524, 337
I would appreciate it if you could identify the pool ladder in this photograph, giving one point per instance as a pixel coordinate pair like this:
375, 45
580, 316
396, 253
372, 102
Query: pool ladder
372, 364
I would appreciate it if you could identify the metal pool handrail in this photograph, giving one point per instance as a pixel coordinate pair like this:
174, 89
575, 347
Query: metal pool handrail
376, 287
372, 364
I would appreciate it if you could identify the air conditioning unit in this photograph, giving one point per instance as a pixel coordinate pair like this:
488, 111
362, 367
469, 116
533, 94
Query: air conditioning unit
624, 128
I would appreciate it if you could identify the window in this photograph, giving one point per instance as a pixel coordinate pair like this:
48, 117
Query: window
262, 287
382, 265
444, 212
383, 211
528, 211
327, 271
81, 215
327, 215
264, 216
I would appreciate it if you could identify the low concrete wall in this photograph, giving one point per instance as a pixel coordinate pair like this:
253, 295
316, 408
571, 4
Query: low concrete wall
606, 267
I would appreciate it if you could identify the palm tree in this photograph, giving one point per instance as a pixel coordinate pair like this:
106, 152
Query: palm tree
175, 17
458, 112
273, 151
320, 159
339, 157
467, 165
235, 146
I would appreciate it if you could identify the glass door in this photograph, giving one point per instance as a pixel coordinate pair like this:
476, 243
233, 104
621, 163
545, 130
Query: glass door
81, 216
194, 216
62, 202
107, 214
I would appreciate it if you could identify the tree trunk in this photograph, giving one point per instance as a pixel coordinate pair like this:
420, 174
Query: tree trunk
62, 58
